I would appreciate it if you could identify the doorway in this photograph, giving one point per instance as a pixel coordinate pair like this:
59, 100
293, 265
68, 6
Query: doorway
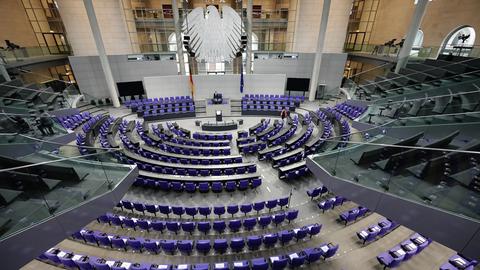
355, 41
56, 43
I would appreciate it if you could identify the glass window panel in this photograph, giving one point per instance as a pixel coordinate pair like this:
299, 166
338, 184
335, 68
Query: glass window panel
36, 27
30, 14
26, 3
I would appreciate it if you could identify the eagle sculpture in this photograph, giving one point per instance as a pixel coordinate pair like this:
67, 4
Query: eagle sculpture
213, 38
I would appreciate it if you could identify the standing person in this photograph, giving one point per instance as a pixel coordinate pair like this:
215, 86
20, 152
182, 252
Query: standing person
283, 115
46, 122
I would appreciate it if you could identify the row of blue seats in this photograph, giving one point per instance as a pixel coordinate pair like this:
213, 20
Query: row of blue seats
353, 214
180, 132
303, 139
307, 118
253, 148
252, 107
331, 203
203, 187
349, 110
188, 159
155, 106
295, 173
75, 120
403, 251
166, 169
203, 210
198, 142
194, 151
459, 262
212, 136
90, 122
285, 137
327, 124
278, 126
310, 255
204, 227
170, 246
268, 103
264, 125
161, 100
317, 191
155, 112
103, 137
376, 231
273, 97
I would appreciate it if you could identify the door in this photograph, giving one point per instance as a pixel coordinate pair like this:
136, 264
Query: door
256, 11
167, 11
56, 43
355, 41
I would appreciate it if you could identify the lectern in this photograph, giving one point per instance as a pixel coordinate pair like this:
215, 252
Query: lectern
218, 116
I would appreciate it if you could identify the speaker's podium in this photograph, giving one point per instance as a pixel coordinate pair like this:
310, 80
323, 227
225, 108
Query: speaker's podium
218, 103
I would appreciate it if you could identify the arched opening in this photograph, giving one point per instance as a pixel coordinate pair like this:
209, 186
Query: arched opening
459, 42
172, 47
417, 43
254, 42
172, 42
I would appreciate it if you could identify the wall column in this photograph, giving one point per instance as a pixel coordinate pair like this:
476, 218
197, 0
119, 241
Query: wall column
97, 36
319, 52
178, 35
249, 36
411, 34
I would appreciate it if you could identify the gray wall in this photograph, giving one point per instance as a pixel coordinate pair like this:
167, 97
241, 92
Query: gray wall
91, 81
89, 75
205, 85
331, 72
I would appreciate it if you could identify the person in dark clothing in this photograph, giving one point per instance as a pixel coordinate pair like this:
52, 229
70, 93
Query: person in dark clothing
22, 125
46, 123
283, 114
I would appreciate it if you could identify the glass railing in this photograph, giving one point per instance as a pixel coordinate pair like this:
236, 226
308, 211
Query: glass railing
17, 97
417, 52
443, 172
446, 89
25, 53
278, 15
152, 14
395, 86
49, 180
22, 128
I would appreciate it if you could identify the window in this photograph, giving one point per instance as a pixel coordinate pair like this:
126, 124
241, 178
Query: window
417, 43
459, 42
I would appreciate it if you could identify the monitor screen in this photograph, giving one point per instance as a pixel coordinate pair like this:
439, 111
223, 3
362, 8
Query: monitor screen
130, 88
298, 84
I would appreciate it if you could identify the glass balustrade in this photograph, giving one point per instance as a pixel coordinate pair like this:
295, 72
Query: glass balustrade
26, 53
417, 52
50, 179
435, 166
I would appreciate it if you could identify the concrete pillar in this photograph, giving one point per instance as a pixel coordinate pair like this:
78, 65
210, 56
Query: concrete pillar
4, 73
319, 52
411, 34
97, 36
249, 36
178, 35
